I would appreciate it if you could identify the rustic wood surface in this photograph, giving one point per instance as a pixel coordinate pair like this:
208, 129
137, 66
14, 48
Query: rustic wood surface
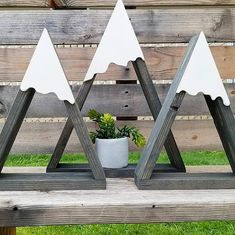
42, 137
120, 203
13, 123
162, 63
83, 135
188, 181
125, 172
155, 106
105, 3
8, 231
118, 99
151, 26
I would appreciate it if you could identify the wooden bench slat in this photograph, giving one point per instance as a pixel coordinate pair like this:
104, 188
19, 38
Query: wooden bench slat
151, 26
120, 203
162, 63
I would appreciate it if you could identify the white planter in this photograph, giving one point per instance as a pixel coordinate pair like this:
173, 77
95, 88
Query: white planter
113, 153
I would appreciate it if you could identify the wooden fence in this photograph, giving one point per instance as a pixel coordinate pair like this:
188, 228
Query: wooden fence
77, 26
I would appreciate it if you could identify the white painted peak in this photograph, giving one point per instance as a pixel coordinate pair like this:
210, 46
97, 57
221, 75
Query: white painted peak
202, 75
45, 73
118, 45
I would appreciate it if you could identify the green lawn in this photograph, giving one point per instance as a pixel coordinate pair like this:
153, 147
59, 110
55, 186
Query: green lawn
197, 228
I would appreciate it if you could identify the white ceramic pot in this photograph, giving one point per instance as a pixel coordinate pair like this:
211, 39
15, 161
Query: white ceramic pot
113, 153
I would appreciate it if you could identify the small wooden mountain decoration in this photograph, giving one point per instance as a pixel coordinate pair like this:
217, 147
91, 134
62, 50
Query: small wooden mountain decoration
45, 75
197, 74
118, 45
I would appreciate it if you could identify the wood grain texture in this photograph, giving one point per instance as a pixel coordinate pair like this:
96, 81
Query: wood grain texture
8, 231
151, 26
42, 137
162, 63
24, 3
120, 203
13, 123
155, 106
188, 181
119, 99
139, 3
125, 172
108, 3
50, 181
83, 135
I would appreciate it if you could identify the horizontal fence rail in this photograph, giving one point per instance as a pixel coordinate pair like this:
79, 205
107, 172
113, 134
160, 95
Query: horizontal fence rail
41, 137
162, 63
119, 99
87, 26
105, 3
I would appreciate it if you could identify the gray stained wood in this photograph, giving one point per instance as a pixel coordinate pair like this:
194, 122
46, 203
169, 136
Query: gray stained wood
68, 128
225, 125
83, 135
187, 181
50, 181
118, 99
162, 63
125, 172
164, 121
122, 202
155, 105
13, 123
151, 26
108, 3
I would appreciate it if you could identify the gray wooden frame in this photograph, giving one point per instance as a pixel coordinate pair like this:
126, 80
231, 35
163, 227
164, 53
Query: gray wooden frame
154, 104
95, 179
146, 178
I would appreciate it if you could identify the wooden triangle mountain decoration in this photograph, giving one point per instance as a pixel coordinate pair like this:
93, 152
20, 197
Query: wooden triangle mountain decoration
45, 75
197, 73
118, 45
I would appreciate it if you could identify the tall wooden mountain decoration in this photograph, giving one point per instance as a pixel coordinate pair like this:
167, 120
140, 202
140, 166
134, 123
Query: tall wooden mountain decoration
45, 75
197, 74
119, 45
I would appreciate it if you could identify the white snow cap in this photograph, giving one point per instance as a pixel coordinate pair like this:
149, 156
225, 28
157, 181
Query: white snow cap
45, 73
202, 75
118, 45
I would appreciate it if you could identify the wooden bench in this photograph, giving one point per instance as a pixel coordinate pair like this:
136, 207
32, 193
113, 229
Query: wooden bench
162, 29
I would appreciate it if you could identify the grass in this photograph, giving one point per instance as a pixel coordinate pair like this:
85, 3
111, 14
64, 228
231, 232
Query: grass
190, 158
193, 228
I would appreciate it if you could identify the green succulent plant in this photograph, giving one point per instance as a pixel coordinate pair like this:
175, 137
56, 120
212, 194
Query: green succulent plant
108, 130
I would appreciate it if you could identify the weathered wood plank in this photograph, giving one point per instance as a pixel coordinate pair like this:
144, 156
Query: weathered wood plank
8, 231
24, 3
188, 181
109, 3
162, 63
50, 181
42, 137
120, 203
139, 3
119, 99
151, 26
